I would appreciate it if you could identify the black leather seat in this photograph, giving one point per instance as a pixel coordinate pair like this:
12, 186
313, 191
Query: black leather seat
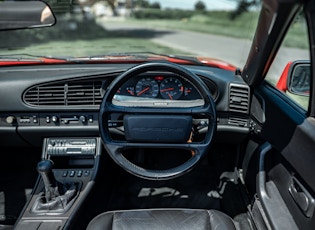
164, 219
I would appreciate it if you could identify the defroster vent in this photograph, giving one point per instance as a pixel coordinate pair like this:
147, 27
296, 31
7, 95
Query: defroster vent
239, 98
74, 93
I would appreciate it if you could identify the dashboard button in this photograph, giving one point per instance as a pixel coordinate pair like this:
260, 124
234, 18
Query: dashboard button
82, 119
10, 119
54, 119
79, 174
72, 173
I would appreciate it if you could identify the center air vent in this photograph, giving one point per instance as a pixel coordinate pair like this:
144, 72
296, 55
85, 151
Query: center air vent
239, 98
65, 94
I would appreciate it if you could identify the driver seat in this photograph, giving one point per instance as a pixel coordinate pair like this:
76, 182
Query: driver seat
162, 219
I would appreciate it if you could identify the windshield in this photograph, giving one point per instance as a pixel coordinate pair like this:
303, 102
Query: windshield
91, 28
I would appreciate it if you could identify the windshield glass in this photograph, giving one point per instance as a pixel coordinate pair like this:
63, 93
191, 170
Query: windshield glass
92, 28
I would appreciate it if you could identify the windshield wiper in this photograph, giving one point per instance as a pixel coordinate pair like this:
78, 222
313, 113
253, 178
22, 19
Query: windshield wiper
111, 56
29, 57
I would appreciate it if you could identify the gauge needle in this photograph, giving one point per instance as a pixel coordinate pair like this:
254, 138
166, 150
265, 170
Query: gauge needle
168, 89
130, 92
170, 96
143, 91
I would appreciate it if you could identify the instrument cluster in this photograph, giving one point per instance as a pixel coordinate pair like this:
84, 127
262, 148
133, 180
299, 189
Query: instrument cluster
159, 86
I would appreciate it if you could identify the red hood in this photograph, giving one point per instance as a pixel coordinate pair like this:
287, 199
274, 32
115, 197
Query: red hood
217, 63
212, 62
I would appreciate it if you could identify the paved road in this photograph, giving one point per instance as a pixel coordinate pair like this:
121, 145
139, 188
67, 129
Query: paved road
232, 50
229, 49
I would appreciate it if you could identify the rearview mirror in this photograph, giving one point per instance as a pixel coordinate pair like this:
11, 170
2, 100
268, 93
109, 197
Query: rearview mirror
25, 14
299, 78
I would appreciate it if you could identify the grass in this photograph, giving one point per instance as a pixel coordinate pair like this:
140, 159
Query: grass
297, 35
300, 100
81, 48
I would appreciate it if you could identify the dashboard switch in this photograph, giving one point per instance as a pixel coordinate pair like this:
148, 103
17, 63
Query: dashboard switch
10, 119
79, 173
72, 173
82, 119
35, 119
86, 173
54, 119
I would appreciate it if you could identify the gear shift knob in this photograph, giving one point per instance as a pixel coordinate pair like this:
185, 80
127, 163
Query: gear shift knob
44, 168
57, 196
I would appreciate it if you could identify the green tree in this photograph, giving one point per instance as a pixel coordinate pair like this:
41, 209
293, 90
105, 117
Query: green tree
142, 3
155, 5
200, 6
242, 7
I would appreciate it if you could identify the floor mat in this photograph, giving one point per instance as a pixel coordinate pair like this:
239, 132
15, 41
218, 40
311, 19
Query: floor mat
167, 194
197, 189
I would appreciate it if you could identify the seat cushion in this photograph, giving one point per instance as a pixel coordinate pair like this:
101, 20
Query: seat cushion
153, 219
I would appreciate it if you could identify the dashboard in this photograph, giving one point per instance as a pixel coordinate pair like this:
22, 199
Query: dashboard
43, 101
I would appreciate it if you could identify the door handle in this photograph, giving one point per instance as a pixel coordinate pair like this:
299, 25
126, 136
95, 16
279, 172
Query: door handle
302, 197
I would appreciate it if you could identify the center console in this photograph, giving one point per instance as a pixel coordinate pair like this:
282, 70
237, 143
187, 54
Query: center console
67, 173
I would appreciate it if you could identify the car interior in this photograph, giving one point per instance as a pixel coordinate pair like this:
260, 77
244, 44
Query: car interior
160, 144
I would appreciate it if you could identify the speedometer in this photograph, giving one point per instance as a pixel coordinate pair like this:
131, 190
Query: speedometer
147, 87
171, 88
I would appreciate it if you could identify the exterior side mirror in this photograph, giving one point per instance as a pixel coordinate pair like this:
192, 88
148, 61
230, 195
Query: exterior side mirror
296, 78
25, 14
300, 78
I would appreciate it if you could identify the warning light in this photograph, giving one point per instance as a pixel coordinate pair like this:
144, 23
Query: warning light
159, 78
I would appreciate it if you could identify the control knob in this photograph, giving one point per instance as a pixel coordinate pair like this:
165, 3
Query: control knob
54, 119
82, 119
10, 119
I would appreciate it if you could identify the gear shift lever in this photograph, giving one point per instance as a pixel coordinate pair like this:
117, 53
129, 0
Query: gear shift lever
58, 196
44, 168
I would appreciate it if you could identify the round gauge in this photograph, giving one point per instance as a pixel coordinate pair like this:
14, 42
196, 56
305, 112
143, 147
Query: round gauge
147, 87
171, 88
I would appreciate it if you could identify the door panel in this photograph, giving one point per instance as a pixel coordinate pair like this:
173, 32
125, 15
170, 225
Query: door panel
289, 164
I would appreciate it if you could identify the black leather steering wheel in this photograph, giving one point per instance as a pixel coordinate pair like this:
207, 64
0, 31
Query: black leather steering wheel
146, 127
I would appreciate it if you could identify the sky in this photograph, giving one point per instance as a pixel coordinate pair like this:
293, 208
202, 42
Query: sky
189, 4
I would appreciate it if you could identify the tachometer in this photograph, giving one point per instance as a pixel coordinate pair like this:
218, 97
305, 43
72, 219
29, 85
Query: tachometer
171, 88
147, 87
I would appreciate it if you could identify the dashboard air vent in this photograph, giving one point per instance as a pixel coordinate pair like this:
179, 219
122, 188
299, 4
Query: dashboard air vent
239, 98
84, 94
65, 94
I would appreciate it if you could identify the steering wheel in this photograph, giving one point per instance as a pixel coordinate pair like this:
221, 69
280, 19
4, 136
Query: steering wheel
157, 127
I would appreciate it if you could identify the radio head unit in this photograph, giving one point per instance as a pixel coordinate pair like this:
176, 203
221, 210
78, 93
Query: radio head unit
70, 146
